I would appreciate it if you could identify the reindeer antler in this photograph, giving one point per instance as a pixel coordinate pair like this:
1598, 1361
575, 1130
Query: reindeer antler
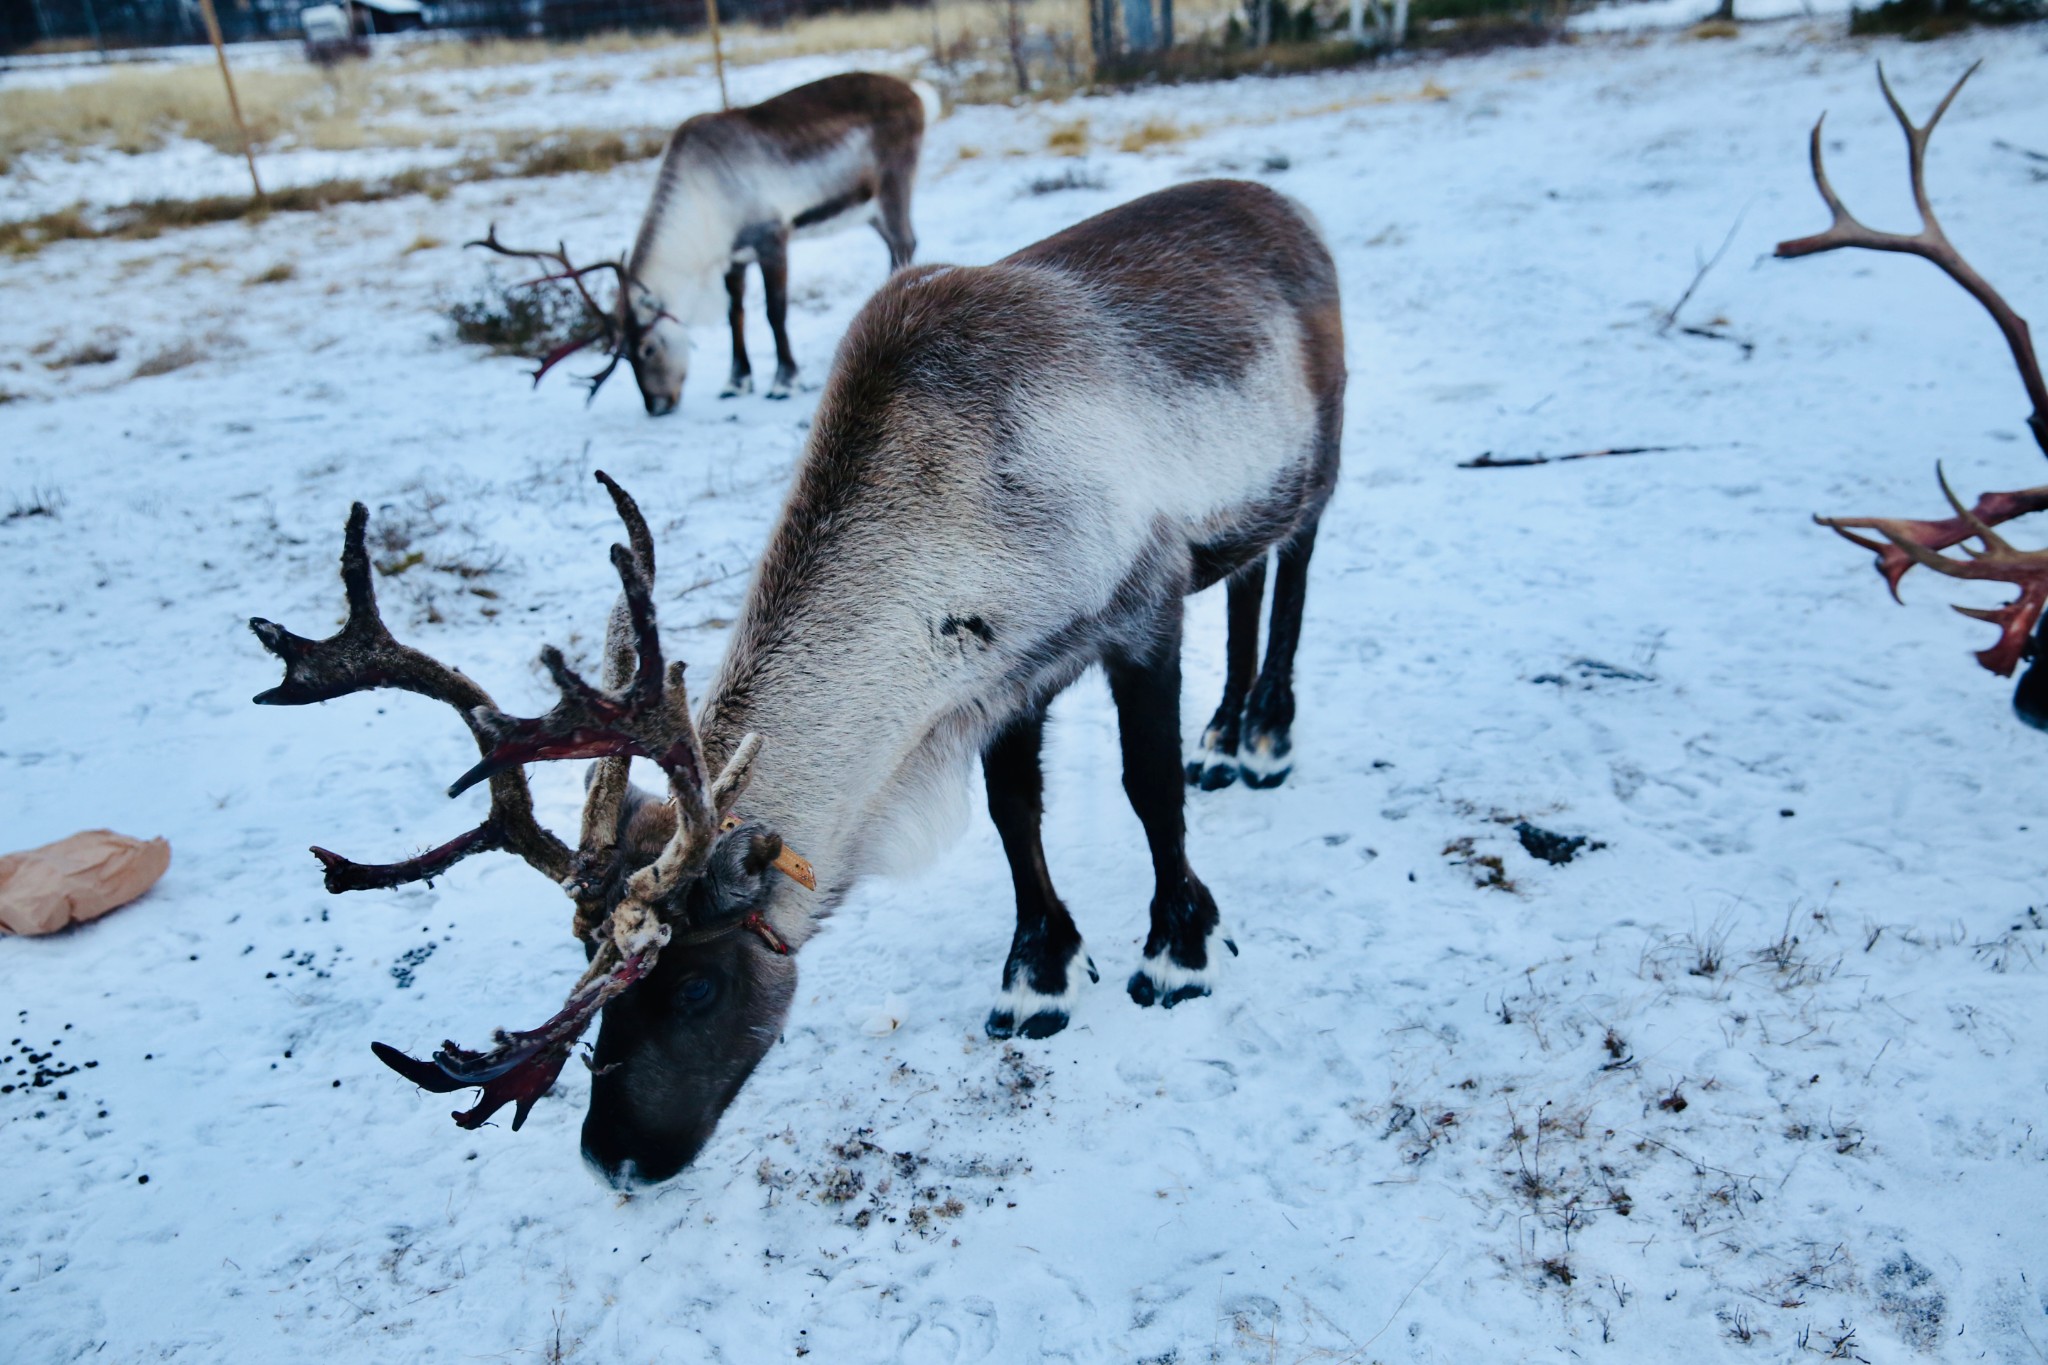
647, 714
363, 656
641, 709
1930, 243
1907, 543
608, 331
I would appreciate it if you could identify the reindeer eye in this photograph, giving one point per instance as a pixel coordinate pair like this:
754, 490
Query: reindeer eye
696, 991
647, 349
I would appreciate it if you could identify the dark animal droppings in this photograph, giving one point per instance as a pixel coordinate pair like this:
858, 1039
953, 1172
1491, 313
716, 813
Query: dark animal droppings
1555, 849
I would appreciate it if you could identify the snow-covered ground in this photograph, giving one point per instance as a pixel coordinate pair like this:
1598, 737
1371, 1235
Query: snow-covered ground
1760, 1078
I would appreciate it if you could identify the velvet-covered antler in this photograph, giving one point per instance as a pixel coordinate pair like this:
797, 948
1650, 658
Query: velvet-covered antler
363, 656
522, 1066
640, 709
648, 716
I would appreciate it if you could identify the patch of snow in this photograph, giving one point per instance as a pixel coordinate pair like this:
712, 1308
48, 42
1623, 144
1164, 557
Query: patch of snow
1761, 1074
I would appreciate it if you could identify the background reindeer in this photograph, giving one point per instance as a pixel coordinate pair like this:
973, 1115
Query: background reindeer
1909, 542
734, 188
1017, 471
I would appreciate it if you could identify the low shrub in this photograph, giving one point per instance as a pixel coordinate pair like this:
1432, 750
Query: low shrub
516, 319
1923, 20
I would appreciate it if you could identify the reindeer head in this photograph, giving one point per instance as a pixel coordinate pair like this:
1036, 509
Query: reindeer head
672, 897
636, 329
656, 344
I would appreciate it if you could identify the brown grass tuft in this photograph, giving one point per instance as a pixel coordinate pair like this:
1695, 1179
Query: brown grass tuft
90, 353
575, 150
1069, 139
1155, 132
169, 358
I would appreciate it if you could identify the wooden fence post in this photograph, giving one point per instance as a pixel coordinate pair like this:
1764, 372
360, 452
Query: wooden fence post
717, 52
220, 52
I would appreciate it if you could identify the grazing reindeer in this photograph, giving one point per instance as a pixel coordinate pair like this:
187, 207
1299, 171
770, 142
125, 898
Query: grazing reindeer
1016, 471
1908, 542
734, 188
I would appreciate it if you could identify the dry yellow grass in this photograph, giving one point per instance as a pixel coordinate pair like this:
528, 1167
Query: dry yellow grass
959, 26
459, 55
1154, 132
954, 30
571, 151
1068, 139
173, 357
134, 109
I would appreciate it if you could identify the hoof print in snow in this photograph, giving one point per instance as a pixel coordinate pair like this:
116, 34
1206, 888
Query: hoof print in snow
1589, 674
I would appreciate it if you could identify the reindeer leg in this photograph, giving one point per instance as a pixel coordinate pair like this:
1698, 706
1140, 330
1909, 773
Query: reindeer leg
1184, 918
774, 256
1046, 957
742, 380
1269, 715
1215, 765
892, 219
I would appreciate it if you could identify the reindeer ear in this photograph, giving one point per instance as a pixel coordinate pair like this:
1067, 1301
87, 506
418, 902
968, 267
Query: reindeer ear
737, 876
762, 851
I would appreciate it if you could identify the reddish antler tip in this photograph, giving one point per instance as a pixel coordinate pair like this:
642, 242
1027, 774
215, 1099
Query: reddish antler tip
520, 1067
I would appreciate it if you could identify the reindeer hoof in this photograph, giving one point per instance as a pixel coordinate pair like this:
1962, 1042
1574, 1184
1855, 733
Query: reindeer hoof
1148, 992
1025, 1012
1212, 772
737, 386
1164, 982
1266, 763
778, 391
1044, 1024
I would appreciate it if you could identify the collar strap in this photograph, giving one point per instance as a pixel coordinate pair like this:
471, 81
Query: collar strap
754, 923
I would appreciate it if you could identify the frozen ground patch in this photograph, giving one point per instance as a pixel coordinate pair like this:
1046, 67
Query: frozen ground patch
1758, 1079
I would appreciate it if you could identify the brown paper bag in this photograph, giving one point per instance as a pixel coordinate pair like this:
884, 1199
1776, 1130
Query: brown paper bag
76, 879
